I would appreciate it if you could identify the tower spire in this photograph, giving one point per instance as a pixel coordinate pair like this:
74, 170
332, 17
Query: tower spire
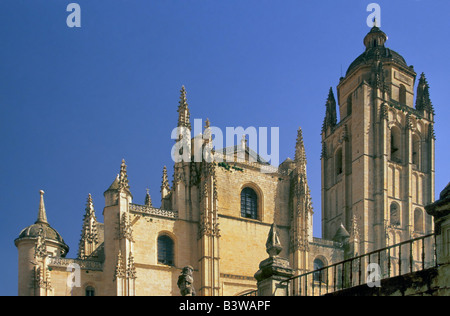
183, 110
42, 215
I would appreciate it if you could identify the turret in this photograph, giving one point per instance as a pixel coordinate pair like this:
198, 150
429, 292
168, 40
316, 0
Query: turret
118, 236
35, 244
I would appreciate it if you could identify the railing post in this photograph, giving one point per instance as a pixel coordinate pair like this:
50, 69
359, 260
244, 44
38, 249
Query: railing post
274, 272
411, 259
389, 262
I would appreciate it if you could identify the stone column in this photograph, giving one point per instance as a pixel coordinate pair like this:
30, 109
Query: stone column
440, 210
273, 270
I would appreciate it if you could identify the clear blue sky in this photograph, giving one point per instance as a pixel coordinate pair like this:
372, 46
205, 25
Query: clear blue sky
74, 102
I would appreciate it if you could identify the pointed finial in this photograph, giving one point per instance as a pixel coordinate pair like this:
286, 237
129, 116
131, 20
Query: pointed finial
123, 177
244, 141
331, 94
183, 110
89, 205
42, 216
330, 114
299, 136
273, 245
165, 180
148, 199
423, 101
300, 154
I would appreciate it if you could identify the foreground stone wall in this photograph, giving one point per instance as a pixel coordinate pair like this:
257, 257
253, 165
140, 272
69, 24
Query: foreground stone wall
429, 282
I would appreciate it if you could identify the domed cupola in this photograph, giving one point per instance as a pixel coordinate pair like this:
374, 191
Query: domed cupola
376, 50
375, 38
41, 228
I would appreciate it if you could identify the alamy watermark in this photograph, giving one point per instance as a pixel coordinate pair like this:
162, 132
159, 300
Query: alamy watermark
74, 18
373, 275
374, 18
202, 147
74, 278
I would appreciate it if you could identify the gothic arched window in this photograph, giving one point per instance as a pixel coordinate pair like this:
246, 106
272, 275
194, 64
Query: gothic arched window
249, 203
319, 275
165, 250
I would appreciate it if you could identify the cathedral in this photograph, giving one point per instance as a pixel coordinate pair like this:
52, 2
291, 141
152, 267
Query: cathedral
377, 169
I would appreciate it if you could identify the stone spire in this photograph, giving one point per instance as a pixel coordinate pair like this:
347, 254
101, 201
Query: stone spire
89, 232
42, 215
330, 114
148, 199
183, 110
300, 154
423, 102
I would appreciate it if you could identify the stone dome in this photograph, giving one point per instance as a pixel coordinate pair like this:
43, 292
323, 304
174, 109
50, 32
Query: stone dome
48, 232
375, 49
42, 228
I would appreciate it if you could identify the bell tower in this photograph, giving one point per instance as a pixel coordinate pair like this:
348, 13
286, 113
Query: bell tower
378, 159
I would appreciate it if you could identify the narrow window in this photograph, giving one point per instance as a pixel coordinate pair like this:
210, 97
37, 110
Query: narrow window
395, 145
339, 161
402, 95
165, 250
90, 291
418, 220
249, 203
416, 151
395, 214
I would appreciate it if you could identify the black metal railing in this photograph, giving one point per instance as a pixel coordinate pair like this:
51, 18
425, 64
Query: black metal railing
251, 293
405, 257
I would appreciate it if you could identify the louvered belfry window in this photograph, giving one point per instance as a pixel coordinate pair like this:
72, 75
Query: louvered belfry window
249, 203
